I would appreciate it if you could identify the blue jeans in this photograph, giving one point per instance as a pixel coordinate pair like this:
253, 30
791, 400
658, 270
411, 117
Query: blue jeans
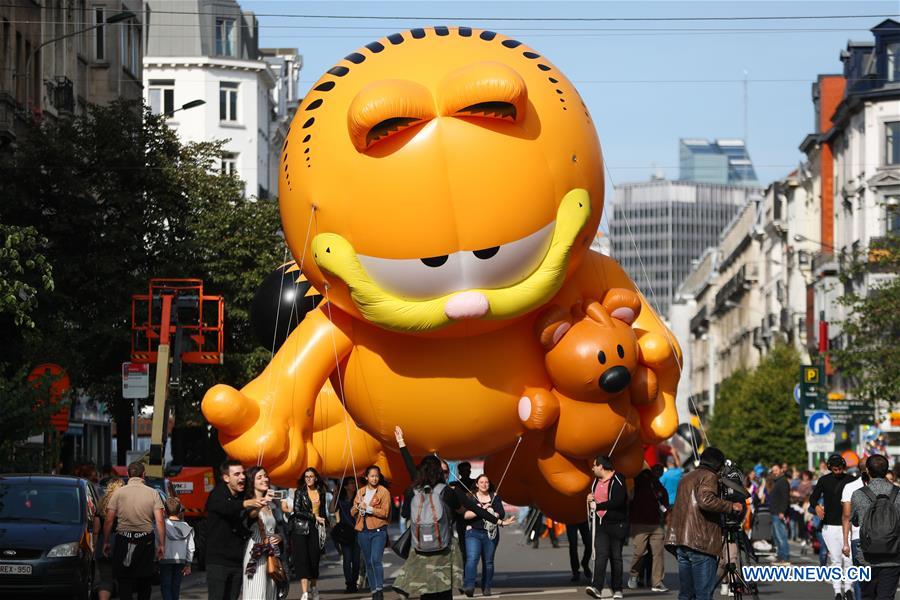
696, 574
170, 575
372, 543
779, 532
479, 545
856, 557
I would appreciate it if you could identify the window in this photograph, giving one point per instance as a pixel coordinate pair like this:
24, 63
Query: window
5, 67
130, 46
225, 37
99, 35
892, 143
229, 163
228, 101
892, 54
892, 214
162, 96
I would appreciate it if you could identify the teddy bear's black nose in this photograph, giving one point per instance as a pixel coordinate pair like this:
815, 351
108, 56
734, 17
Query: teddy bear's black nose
615, 380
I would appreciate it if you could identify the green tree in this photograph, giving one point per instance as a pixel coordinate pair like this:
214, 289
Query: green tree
756, 417
869, 352
120, 200
25, 276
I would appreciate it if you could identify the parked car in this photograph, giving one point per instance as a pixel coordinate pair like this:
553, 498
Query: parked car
46, 541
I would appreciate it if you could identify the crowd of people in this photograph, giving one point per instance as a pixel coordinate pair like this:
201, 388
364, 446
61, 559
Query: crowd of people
257, 539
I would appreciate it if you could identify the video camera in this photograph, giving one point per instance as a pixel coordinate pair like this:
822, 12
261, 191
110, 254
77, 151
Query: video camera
731, 488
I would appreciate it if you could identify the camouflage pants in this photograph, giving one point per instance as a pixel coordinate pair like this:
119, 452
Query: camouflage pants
430, 573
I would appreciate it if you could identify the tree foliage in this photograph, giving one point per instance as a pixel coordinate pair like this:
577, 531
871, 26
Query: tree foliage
25, 275
869, 352
116, 199
756, 418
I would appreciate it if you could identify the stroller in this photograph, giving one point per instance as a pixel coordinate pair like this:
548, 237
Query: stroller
761, 534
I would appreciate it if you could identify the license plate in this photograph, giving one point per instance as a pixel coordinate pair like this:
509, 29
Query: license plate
15, 569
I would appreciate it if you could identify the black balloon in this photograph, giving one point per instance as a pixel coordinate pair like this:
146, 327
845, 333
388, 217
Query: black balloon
279, 304
690, 434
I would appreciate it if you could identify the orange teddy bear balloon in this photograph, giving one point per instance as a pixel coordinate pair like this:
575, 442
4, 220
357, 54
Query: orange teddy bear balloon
440, 188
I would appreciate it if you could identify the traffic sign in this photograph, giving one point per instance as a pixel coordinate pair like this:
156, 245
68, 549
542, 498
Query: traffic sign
820, 443
135, 380
820, 423
797, 394
810, 386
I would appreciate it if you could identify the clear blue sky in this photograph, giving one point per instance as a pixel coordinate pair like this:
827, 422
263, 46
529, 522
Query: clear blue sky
645, 89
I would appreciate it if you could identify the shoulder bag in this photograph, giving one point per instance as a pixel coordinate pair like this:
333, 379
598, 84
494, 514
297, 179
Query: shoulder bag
274, 566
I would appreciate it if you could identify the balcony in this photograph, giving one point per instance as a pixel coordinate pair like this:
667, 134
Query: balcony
700, 322
739, 284
823, 263
62, 94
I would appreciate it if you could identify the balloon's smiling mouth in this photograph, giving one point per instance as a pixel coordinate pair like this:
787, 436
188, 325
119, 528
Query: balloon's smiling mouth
422, 294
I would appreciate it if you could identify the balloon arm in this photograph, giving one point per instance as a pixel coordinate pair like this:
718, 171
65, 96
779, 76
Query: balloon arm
270, 421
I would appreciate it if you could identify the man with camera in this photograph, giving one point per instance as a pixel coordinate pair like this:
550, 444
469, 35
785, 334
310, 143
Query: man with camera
694, 534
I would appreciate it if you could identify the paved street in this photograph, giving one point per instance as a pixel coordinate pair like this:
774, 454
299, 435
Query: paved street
522, 571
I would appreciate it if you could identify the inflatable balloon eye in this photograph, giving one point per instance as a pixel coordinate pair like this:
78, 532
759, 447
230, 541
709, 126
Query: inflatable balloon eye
281, 301
444, 186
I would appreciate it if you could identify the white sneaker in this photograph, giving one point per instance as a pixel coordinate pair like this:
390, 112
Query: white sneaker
724, 590
617, 595
632, 583
315, 593
305, 596
659, 587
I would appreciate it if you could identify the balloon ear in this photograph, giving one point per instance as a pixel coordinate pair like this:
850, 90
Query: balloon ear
622, 304
551, 325
596, 312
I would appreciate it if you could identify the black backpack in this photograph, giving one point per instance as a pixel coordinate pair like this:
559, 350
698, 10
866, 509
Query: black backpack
879, 532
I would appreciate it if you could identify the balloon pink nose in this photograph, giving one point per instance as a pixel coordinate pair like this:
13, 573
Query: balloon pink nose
467, 305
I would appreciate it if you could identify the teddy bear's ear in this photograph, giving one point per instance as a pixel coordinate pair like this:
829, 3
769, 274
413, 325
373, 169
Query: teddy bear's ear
551, 325
622, 304
597, 312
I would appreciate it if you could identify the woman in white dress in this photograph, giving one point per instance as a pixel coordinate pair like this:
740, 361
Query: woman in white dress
257, 585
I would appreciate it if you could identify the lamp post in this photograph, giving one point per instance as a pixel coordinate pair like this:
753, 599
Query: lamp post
186, 106
116, 18
803, 238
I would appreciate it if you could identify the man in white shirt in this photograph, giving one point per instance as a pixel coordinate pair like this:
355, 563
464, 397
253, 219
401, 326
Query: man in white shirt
851, 532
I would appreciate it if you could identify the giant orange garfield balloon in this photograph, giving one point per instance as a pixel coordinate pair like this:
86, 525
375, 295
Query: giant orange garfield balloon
440, 188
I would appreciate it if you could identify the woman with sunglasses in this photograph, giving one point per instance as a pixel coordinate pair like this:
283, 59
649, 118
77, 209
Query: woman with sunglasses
307, 518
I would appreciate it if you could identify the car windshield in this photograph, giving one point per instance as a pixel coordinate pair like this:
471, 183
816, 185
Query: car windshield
31, 502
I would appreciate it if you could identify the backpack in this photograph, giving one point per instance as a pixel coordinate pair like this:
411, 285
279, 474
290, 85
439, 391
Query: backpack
431, 530
879, 532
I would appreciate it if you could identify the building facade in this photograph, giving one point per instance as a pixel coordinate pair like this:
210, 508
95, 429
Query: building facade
658, 228
775, 275
208, 50
59, 56
723, 161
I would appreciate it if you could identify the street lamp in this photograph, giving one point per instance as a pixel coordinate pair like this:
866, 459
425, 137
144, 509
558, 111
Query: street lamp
186, 106
116, 18
802, 238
